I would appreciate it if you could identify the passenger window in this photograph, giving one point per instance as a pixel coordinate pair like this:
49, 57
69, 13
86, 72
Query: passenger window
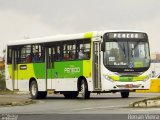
31, 53
25, 54
84, 50
69, 50
38, 53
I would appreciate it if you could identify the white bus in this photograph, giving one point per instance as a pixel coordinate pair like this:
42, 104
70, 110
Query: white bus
91, 62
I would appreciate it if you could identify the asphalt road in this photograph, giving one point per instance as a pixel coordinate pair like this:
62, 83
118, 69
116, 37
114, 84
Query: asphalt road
98, 104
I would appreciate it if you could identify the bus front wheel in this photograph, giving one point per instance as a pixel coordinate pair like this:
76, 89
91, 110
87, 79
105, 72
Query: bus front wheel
35, 94
84, 90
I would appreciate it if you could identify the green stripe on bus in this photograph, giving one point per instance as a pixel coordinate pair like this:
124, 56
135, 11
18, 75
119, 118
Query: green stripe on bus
65, 69
39, 70
68, 69
127, 78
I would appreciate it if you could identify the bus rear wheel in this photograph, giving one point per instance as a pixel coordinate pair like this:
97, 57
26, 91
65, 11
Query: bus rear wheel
84, 90
35, 94
125, 94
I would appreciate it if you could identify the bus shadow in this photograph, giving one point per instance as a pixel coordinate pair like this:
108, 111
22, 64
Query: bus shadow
91, 98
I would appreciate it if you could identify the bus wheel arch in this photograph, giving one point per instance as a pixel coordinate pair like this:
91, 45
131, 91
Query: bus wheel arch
31, 79
33, 88
83, 87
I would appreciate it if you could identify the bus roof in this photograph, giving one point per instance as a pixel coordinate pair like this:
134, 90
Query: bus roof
62, 37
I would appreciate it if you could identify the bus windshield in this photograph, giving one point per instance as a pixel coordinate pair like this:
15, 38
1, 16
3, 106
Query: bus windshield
126, 54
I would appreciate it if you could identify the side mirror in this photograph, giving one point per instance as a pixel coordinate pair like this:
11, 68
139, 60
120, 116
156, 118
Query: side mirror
102, 46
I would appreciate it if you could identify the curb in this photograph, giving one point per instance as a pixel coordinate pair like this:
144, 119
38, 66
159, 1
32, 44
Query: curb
22, 93
151, 102
18, 103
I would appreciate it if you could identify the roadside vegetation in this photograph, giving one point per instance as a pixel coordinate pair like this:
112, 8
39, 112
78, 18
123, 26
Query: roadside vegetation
2, 81
3, 89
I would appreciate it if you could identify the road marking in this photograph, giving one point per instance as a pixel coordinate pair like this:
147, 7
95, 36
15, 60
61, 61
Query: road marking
92, 108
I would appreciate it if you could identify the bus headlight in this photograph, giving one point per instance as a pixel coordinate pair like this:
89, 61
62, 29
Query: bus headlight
107, 78
147, 78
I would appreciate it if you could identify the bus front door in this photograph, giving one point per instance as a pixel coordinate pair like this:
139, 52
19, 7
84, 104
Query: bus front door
14, 69
96, 66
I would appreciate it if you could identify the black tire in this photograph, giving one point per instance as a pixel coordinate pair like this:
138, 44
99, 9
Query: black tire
125, 94
71, 95
34, 90
42, 95
84, 90
35, 94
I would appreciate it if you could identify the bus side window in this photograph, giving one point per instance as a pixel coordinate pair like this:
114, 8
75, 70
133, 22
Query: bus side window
84, 51
29, 58
53, 54
58, 53
65, 52
23, 55
72, 50
69, 50
87, 51
38, 53
81, 53
36, 56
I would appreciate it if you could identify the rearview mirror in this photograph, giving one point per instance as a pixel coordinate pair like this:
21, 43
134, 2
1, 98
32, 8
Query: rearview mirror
102, 46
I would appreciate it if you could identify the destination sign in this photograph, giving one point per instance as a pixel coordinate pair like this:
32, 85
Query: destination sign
127, 35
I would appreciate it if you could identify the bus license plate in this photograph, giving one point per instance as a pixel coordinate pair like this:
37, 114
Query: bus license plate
129, 85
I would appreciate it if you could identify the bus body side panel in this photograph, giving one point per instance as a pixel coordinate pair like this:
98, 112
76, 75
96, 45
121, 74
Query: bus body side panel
39, 71
12, 78
87, 73
9, 84
65, 75
24, 74
8, 73
22, 82
65, 84
23, 85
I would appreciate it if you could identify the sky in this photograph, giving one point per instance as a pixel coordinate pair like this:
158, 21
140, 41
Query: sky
20, 19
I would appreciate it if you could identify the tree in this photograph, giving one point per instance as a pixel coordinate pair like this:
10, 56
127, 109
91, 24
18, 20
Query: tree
4, 54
